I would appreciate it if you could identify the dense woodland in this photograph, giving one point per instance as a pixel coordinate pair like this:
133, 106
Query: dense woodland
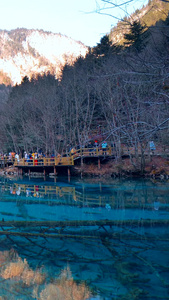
120, 93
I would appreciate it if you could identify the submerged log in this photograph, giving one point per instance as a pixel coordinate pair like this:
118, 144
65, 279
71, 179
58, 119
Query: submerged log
54, 229
82, 235
44, 235
74, 223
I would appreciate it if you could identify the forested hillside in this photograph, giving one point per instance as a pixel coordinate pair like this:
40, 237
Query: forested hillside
148, 16
118, 93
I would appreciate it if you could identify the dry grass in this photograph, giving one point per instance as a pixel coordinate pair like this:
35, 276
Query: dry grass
157, 166
65, 288
7, 256
15, 267
32, 277
92, 170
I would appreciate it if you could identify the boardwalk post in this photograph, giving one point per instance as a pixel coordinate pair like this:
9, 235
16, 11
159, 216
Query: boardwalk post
99, 163
55, 171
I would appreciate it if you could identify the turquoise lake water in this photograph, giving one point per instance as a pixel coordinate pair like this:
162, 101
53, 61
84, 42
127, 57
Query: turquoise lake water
120, 251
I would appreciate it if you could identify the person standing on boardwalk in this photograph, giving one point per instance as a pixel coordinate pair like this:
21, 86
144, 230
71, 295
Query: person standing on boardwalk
104, 147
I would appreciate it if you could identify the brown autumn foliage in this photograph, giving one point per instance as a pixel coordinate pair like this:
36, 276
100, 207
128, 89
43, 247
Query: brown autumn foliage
158, 166
155, 165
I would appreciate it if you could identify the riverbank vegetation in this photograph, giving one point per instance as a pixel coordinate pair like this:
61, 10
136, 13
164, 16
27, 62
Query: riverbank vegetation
116, 93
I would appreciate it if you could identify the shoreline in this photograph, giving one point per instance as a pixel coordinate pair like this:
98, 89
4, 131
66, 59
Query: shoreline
157, 167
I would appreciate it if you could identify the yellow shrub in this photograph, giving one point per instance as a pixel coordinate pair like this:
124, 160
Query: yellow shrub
21, 269
14, 269
65, 288
32, 277
70, 290
6, 256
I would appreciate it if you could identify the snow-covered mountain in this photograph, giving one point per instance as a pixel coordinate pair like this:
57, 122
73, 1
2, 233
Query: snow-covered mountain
25, 52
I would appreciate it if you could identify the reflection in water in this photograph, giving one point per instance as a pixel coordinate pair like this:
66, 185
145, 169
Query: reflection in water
156, 205
113, 236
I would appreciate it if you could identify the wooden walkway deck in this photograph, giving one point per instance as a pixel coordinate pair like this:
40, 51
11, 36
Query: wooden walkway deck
65, 160
49, 165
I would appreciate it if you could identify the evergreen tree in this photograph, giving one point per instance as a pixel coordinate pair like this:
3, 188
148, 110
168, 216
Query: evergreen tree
104, 47
136, 36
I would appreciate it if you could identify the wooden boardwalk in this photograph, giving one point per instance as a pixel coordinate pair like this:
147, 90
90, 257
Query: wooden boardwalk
49, 165
65, 160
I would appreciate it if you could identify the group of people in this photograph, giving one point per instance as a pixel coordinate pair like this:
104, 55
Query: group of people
91, 145
27, 156
103, 146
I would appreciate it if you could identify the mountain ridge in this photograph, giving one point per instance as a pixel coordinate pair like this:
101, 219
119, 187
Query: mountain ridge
149, 15
27, 52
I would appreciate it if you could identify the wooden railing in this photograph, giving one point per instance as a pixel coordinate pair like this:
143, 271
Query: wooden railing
56, 161
64, 161
94, 151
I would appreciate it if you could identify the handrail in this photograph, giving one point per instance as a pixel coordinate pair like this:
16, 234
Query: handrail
39, 162
65, 160
93, 151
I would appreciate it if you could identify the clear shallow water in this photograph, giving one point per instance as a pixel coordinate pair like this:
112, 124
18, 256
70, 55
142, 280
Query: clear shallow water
125, 259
